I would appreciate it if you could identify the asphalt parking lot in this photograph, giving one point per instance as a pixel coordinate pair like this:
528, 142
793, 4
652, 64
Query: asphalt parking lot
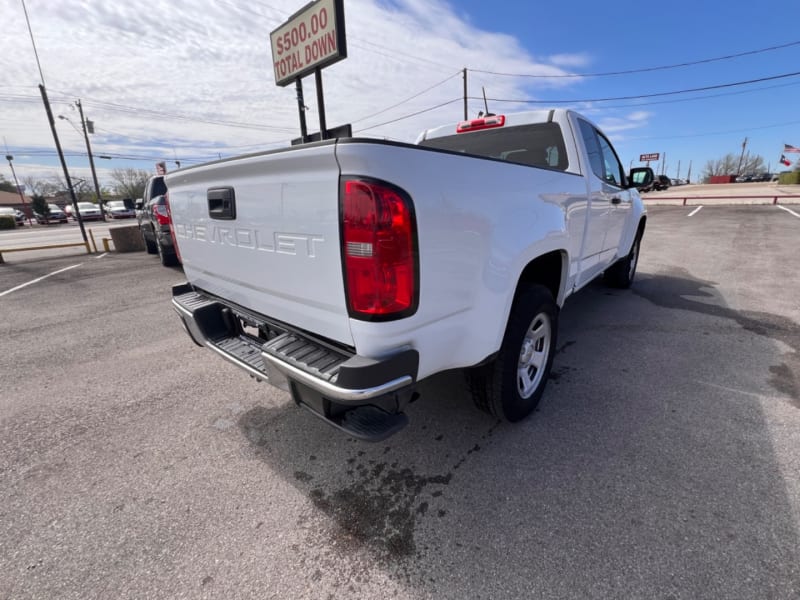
663, 462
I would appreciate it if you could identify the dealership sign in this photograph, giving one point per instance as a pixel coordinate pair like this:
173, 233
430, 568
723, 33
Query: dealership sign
648, 157
311, 39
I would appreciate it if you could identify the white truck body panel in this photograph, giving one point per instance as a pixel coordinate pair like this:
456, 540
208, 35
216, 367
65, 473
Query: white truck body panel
474, 242
280, 256
479, 223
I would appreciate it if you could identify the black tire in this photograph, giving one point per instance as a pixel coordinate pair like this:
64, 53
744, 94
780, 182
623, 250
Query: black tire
168, 259
510, 387
149, 245
621, 273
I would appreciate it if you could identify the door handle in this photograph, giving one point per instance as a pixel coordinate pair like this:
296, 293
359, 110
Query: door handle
221, 203
616, 200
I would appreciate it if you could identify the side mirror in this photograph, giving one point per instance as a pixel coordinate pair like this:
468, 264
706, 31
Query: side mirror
139, 204
641, 177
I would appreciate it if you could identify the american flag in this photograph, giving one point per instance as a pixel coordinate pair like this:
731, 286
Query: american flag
788, 148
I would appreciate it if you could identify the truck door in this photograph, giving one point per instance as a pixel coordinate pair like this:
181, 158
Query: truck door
620, 199
600, 193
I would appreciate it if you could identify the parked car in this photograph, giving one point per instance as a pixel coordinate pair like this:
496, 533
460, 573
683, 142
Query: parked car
20, 217
153, 217
7, 211
90, 211
56, 215
118, 209
662, 182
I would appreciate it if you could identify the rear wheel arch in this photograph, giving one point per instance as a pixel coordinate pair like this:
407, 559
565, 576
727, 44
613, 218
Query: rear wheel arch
547, 270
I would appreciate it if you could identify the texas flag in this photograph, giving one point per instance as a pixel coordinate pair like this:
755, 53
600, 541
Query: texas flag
788, 148
784, 161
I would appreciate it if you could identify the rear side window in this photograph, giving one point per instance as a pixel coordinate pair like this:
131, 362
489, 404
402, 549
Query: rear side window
159, 187
536, 145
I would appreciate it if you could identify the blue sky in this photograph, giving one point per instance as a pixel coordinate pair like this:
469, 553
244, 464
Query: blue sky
190, 80
632, 35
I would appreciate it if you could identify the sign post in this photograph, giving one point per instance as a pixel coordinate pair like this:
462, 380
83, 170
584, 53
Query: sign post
310, 40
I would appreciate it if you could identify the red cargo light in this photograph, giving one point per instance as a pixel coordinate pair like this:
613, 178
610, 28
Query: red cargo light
379, 250
482, 123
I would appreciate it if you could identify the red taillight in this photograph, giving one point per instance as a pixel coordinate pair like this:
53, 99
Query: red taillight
484, 123
378, 249
161, 212
172, 228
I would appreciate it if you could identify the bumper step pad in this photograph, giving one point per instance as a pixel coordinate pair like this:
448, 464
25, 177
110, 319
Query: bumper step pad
362, 397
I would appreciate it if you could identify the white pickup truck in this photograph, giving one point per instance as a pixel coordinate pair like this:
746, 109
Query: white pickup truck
346, 271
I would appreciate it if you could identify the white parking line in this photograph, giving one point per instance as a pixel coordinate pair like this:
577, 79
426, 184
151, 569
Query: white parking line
102, 255
791, 212
695, 211
19, 287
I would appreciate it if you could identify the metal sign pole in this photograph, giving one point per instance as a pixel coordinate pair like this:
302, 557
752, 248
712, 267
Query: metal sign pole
320, 104
301, 107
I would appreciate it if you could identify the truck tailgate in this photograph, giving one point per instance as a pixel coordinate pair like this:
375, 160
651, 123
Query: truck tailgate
263, 232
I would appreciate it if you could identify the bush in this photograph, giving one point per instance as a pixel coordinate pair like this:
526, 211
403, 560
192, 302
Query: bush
789, 178
7, 222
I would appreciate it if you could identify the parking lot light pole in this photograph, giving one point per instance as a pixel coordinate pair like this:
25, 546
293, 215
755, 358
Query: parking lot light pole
9, 158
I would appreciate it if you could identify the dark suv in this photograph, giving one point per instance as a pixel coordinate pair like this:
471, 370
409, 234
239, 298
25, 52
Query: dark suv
152, 214
662, 182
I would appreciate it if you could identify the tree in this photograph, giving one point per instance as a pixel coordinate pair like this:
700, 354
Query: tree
7, 186
39, 205
129, 183
39, 186
729, 165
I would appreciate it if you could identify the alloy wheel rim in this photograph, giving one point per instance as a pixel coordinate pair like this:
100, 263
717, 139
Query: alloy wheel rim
533, 355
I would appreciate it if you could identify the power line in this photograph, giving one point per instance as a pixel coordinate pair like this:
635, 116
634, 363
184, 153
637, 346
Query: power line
408, 116
706, 97
654, 95
745, 129
126, 109
645, 69
428, 89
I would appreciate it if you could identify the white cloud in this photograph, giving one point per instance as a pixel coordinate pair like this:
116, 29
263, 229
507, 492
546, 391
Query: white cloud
570, 61
188, 79
634, 120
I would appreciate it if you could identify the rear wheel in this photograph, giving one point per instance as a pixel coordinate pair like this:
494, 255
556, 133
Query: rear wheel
149, 244
622, 272
167, 259
511, 386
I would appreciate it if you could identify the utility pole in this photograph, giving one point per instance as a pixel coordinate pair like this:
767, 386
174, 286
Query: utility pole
744, 145
63, 163
9, 158
689, 174
678, 174
91, 160
53, 129
465, 94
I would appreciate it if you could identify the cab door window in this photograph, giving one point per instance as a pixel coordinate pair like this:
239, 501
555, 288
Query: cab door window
602, 158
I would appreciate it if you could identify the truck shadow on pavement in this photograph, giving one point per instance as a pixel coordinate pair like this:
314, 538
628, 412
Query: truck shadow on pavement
649, 469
